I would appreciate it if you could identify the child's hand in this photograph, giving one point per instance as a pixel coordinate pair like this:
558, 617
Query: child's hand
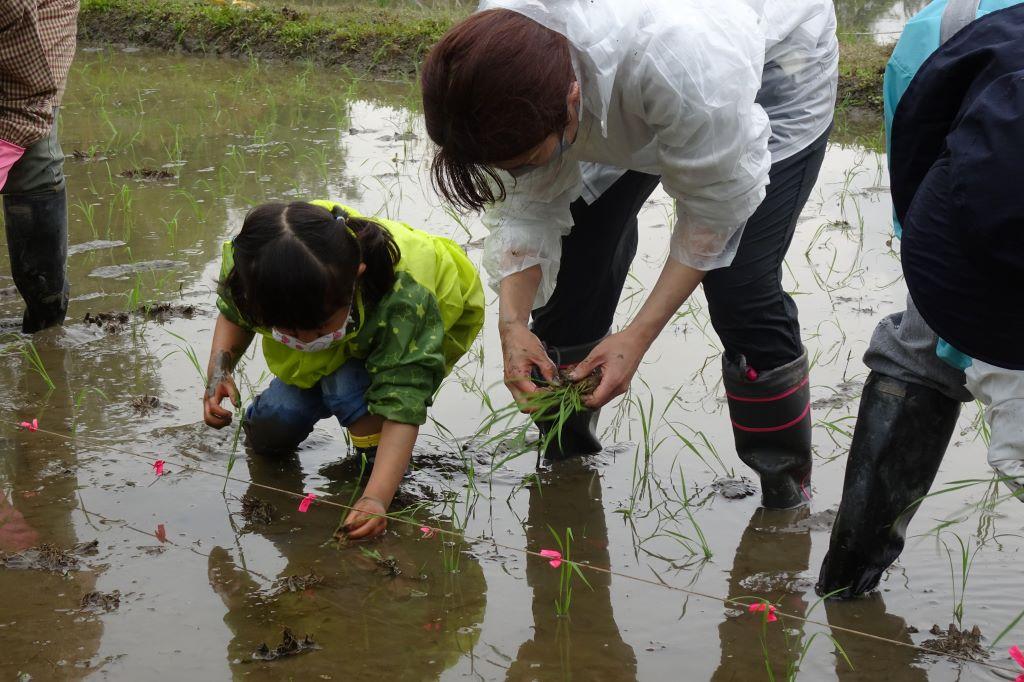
221, 386
366, 520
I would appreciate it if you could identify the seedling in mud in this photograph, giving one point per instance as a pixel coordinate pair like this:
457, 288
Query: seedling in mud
389, 565
568, 570
28, 351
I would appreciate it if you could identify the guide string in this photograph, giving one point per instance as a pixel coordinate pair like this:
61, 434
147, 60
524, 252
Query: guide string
728, 601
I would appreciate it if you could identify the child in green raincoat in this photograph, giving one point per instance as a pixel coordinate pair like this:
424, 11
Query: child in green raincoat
361, 320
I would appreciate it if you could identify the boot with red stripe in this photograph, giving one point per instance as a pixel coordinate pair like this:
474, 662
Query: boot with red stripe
771, 422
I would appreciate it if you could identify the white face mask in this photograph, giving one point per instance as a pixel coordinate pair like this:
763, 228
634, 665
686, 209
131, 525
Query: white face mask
319, 344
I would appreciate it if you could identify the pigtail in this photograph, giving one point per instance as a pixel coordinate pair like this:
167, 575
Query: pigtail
380, 253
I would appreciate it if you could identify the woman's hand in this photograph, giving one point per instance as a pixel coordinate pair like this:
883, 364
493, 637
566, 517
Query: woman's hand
618, 357
366, 520
522, 351
221, 386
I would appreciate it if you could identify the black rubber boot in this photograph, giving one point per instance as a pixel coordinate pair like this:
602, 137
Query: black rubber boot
901, 435
578, 434
37, 240
771, 422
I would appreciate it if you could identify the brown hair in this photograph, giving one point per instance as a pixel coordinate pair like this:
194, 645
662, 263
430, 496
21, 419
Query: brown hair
494, 87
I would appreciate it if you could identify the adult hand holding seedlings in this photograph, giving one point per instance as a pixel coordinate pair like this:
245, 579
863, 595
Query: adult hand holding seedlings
619, 355
229, 342
521, 349
367, 520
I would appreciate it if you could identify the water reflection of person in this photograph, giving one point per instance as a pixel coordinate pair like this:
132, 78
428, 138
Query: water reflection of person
38, 496
871, 660
587, 645
772, 554
408, 627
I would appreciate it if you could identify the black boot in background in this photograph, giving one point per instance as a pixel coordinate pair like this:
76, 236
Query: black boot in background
901, 435
771, 417
578, 434
37, 240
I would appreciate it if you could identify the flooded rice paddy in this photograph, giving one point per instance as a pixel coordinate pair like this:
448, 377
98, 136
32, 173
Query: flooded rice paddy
179, 576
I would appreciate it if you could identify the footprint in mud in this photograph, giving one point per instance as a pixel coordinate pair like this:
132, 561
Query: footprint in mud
146, 173
842, 394
50, 558
97, 601
289, 646
734, 488
956, 642
94, 245
145, 404
295, 583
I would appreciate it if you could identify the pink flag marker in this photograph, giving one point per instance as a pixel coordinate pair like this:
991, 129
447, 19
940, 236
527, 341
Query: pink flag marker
31, 426
306, 501
428, 532
760, 607
1018, 656
158, 467
161, 533
554, 555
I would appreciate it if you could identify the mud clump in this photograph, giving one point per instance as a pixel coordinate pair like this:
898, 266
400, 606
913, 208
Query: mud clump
112, 323
161, 312
289, 646
146, 173
101, 601
956, 642
256, 512
295, 583
47, 557
87, 156
734, 488
144, 404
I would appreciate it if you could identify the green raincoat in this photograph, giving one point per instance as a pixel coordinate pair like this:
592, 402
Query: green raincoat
409, 340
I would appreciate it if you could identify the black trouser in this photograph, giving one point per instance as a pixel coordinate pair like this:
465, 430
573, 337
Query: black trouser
750, 311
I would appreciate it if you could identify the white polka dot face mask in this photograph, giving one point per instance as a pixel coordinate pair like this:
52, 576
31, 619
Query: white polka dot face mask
316, 345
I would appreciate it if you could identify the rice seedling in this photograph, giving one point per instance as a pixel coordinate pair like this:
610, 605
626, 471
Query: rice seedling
30, 354
959, 573
568, 571
79, 400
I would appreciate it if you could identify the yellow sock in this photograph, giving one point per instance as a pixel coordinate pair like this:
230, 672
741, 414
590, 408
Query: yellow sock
373, 440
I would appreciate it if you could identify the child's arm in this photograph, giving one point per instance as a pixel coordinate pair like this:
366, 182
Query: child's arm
230, 341
393, 454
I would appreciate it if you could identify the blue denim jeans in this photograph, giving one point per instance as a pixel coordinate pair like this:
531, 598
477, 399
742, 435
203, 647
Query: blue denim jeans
281, 417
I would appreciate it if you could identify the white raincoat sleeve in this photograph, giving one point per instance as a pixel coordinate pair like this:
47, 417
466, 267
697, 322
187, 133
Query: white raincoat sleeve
527, 228
1002, 393
698, 91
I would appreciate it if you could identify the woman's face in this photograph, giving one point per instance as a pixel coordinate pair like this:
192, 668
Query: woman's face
544, 152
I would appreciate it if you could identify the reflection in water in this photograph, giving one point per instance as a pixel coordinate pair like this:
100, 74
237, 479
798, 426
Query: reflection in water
895, 664
568, 495
770, 560
426, 616
42, 631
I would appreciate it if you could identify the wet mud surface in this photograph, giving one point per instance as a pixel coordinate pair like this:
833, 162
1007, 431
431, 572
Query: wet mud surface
203, 578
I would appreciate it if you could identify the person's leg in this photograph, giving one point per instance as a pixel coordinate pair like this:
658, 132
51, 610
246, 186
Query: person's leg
764, 366
596, 257
281, 417
36, 220
344, 396
907, 415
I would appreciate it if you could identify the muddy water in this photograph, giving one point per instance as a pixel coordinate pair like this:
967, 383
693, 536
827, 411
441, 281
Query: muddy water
200, 587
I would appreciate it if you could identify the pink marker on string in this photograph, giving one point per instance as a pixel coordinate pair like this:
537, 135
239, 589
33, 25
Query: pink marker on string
761, 607
1017, 655
161, 533
554, 555
31, 426
428, 532
158, 467
306, 501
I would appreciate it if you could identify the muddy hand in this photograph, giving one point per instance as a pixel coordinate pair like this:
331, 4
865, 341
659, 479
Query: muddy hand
213, 414
522, 351
617, 357
366, 520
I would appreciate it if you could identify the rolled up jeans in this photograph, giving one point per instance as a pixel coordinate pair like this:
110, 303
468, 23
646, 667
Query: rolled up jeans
283, 416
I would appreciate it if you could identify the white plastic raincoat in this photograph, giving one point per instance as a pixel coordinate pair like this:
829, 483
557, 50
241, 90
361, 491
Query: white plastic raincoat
705, 93
1002, 393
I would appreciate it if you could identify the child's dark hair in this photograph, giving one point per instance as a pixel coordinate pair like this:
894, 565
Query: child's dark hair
295, 264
